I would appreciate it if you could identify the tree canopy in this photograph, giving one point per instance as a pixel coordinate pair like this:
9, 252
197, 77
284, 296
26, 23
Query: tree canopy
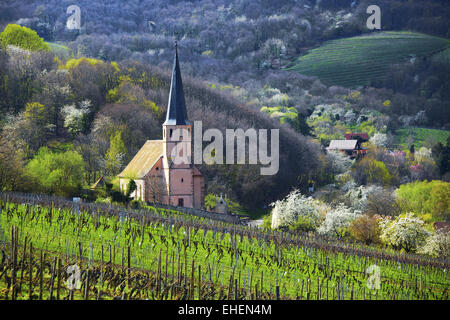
57, 173
22, 37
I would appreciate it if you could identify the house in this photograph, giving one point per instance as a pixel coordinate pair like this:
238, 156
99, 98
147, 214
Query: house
158, 178
351, 148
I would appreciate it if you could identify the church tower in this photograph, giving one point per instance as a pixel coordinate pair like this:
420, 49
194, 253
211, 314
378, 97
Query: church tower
177, 129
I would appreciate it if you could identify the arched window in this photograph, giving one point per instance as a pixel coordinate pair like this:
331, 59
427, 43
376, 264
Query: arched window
182, 180
171, 131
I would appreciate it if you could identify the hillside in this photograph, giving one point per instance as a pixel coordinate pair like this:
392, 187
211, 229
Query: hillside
361, 60
419, 136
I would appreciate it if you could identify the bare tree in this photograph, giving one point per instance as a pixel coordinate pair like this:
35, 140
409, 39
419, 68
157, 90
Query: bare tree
156, 188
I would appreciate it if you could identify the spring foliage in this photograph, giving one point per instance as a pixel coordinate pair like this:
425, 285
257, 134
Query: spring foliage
405, 232
293, 208
22, 37
57, 173
423, 197
337, 221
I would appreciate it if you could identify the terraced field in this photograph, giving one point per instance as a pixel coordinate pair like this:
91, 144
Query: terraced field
357, 61
420, 136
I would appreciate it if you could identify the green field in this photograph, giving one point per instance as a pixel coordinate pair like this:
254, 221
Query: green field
159, 252
357, 61
60, 50
420, 137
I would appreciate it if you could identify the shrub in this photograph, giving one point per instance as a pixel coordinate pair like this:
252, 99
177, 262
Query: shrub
287, 211
337, 221
369, 170
135, 204
382, 202
57, 173
379, 139
22, 37
437, 245
303, 224
365, 229
405, 232
425, 197
357, 198
339, 162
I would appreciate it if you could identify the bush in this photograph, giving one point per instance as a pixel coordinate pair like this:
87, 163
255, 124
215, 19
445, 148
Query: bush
369, 170
405, 232
437, 245
135, 204
382, 202
303, 224
287, 211
425, 197
337, 221
22, 37
57, 173
365, 229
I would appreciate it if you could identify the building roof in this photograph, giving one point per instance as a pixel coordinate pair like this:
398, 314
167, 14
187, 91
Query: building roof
176, 107
144, 160
342, 145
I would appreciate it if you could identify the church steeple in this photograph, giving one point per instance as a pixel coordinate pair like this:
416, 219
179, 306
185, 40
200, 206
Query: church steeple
176, 108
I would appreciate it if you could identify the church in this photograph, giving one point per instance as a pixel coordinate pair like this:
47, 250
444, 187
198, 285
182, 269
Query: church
158, 177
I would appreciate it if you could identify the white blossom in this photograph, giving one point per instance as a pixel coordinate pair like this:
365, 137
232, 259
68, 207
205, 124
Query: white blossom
287, 211
407, 232
358, 197
74, 117
423, 154
340, 163
379, 139
437, 245
337, 221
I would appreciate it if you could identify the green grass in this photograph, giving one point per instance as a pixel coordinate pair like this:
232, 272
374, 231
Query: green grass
420, 137
60, 50
357, 61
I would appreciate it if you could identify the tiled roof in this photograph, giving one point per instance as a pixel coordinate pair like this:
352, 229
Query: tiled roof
144, 160
342, 144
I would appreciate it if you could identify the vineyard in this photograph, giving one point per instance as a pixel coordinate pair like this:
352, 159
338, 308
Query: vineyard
358, 61
419, 136
161, 254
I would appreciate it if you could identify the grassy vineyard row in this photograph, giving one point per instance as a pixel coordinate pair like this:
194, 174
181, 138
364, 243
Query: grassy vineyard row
418, 136
132, 254
360, 60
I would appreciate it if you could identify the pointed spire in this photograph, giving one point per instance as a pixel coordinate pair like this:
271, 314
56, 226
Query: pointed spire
176, 108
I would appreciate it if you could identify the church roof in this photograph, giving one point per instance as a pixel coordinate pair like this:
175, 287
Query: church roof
342, 144
144, 160
176, 107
